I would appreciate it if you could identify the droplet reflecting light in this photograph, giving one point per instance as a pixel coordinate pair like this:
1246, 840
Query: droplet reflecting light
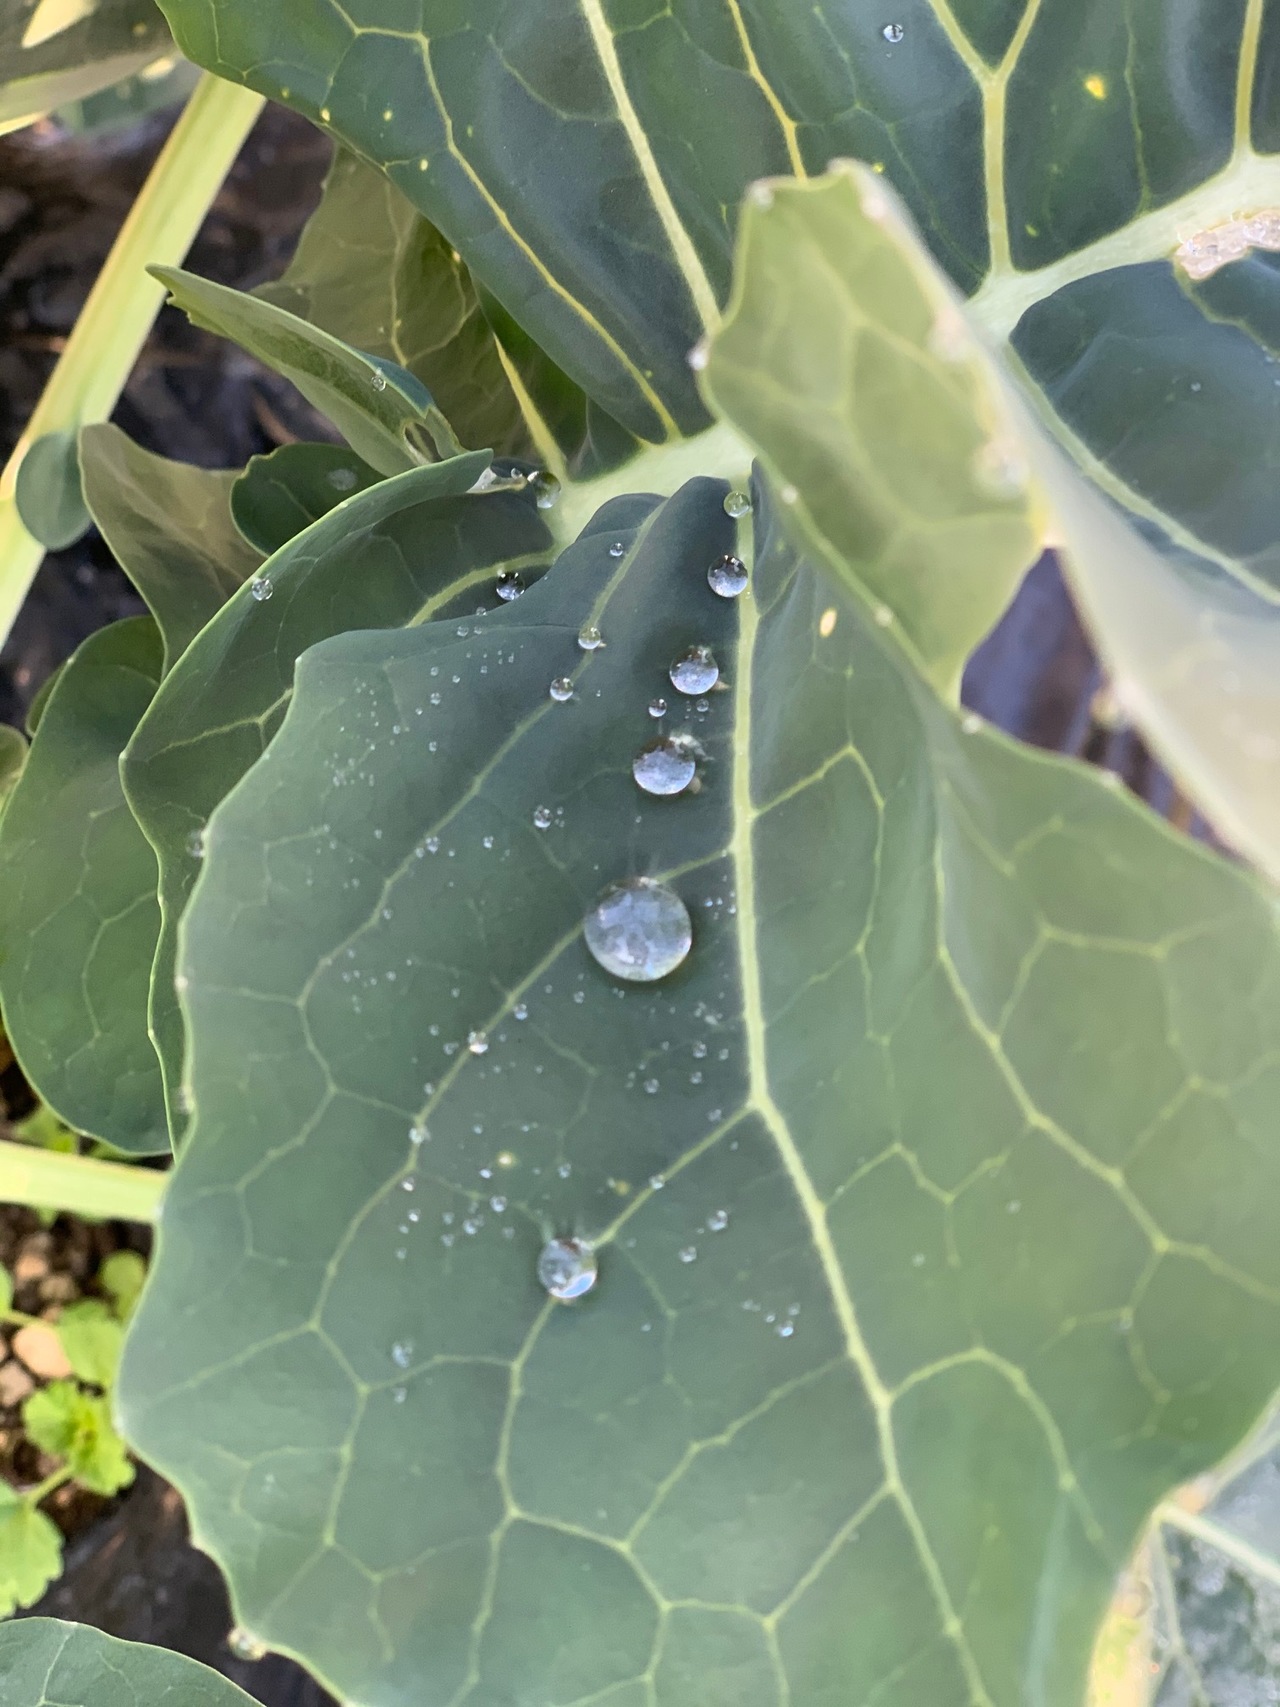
639, 930
567, 1268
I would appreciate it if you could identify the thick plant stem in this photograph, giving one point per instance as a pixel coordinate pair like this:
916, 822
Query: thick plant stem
80, 1185
114, 322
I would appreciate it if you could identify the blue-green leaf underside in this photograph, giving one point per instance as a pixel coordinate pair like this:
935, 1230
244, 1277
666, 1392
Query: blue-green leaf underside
930, 1195
78, 914
47, 1663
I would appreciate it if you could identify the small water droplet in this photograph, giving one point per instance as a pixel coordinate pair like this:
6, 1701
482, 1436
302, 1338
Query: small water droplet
402, 1353
246, 1646
737, 505
472, 1225
564, 1169
567, 1268
561, 689
699, 1051
657, 708
695, 671
617, 549
590, 638
652, 1087
689, 1254
883, 616
378, 380
727, 577
542, 817
639, 930
665, 767
784, 1330
418, 1133
432, 844
497, 1204
508, 586
407, 1184
545, 488
699, 356
520, 1011
342, 479
656, 1182
893, 33
195, 844
717, 1221
485, 841
399, 1395
260, 588
477, 1043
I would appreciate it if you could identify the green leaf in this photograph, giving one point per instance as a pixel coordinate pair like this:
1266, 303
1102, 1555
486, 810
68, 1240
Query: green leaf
122, 1276
48, 491
78, 914
169, 526
280, 494
404, 550
6, 1291
91, 1337
162, 83
54, 51
30, 1558
64, 1420
46, 1663
13, 757
386, 415
932, 1196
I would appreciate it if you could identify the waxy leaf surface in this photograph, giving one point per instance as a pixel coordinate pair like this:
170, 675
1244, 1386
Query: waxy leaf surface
46, 1663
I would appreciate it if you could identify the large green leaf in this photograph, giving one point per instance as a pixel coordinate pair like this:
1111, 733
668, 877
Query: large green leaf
53, 51
78, 914
932, 1195
397, 553
170, 528
46, 1663
283, 492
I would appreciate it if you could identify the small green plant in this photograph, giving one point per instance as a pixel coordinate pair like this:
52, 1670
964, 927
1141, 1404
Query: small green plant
703, 1172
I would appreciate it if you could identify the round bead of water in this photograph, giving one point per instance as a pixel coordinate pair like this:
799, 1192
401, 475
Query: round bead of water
893, 34
567, 1268
342, 479
509, 586
727, 577
666, 766
695, 671
542, 816
590, 638
195, 844
657, 708
737, 505
545, 488
246, 1646
639, 930
561, 689
260, 588
478, 1043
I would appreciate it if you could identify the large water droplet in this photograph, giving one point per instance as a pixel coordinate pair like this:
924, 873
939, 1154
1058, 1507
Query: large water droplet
667, 766
737, 505
639, 930
590, 638
893, 33
246, 1646
509, 586
260, 588
545, 488
567, 1268
561, 689
695, 671
727, 576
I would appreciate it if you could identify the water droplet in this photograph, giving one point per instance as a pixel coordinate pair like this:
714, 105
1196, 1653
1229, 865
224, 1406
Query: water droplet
509, 586
565, 1169
567, 1268
472, 1225
260, 588
402, 1353
699, 356
893, 33
784, 1330
665, 767
689, 1254
657, 708
561, 689
639, 930
477, 1043
342, 479
542, 816
520, 1011
485, 841
378, 380
656, 1182
246, 1646
432, 844
699, 1051
717, 1221
617, 549
195, 844
399, 1395
652, 1087
971, 723
883, 616
727, 576
737, 505
695, 671
590, 638
545, 487
497, 1204
418, 1133
407, 1184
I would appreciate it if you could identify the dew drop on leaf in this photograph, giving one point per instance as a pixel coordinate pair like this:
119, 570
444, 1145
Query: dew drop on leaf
727, 577
737, 505
402, 1353
695, 671
639, 930
478, 1043
657, 708
665, 767
893, 33
567, 1268
245, 1646
542, 816
509, 586
195, 844
617, 549
342, 479
689, 1254
545, 488
260, 588
561, 689
590, 638
378, 381
718, 1220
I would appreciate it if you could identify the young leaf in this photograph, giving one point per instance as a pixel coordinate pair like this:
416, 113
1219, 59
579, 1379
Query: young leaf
64, 1420
382, 411
50, 55
408, 548
932, 1199
91, 1337
46, 1663
78, 913
30, 1558
280, 494
169, 527
48, 492
122, 1276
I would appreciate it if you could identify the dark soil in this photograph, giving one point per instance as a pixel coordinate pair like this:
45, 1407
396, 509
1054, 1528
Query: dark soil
131, 1571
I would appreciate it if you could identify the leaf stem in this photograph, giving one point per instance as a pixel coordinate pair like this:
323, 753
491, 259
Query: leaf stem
115, 320
79, 1185
22, 1320
52, 1482
1236, 1548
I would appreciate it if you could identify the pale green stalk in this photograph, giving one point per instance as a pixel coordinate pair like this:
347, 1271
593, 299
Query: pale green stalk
114, 322
79, 1185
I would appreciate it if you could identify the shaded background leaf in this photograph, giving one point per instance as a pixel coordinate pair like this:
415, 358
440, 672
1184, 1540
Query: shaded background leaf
283, 492
49, 55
